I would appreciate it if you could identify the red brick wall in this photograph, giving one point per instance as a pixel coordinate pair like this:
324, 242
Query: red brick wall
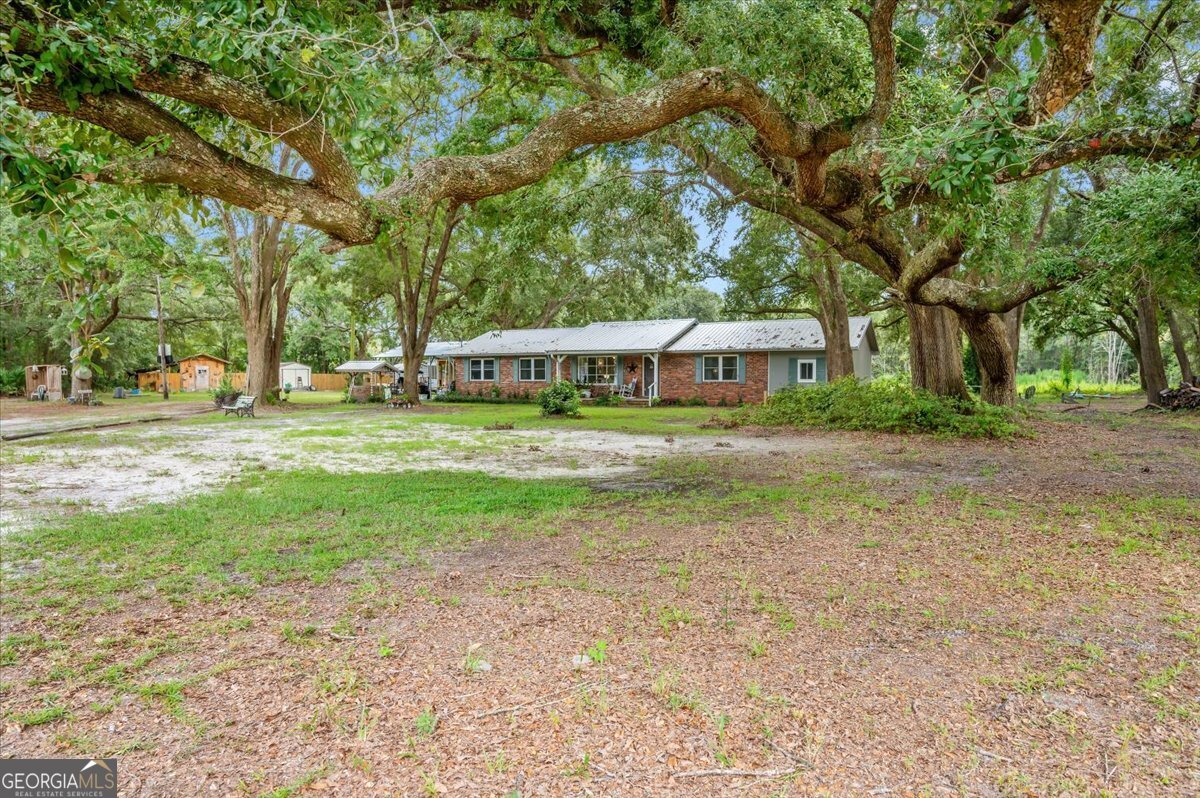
677, 381
508, 378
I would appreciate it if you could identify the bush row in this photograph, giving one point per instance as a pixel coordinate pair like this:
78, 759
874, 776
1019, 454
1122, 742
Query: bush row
488, 396
882, 405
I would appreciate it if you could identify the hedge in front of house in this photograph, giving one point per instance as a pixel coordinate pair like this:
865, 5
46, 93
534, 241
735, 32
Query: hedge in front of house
487, 398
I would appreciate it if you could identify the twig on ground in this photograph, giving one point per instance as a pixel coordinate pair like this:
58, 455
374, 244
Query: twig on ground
734, 773
799, 760
990, 755
540, 704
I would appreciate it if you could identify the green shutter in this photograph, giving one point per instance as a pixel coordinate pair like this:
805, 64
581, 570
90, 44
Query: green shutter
793, 369
822, 374
699, 369
619, 376
495, 369
550, 375
742, 369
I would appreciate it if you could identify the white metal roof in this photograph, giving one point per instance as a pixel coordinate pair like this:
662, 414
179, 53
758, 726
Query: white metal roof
766, 335
432, 349
515, 342
611, 337
363, 366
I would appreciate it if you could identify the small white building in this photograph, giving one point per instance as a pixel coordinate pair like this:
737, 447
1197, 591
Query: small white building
438, 366
297, 375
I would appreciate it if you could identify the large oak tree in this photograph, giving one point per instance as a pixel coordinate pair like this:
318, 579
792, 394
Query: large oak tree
886, 176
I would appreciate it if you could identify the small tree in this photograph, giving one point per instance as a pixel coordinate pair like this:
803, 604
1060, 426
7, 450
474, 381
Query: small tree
1066, 367
559, 399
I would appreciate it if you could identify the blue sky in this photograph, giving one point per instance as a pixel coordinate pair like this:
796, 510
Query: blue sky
720, 239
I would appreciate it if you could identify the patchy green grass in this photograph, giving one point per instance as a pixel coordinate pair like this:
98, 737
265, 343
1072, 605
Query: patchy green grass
316, 397
279, 526
649, 420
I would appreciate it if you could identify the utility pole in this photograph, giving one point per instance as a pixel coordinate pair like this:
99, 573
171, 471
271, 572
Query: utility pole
162, 339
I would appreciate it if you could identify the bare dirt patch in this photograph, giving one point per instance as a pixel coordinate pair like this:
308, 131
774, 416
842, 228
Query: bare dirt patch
877, 615
115, 470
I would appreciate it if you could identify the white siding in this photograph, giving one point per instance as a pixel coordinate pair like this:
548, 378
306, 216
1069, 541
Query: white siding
862, 362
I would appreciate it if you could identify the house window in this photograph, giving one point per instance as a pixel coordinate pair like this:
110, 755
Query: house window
531, 369
720, 368
482, 369
806, 371
598, 369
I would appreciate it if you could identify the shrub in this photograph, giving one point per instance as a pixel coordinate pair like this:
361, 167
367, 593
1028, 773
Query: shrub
559, 399
1066, 367
224, 393
884, 405
12, 381
459, 397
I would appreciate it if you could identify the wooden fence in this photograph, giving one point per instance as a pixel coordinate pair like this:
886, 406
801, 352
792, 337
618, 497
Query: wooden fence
322, 382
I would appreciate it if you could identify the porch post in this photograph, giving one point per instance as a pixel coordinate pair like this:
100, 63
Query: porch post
657, 376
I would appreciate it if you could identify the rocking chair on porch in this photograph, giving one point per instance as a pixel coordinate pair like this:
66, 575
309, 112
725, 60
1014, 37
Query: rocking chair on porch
627, 390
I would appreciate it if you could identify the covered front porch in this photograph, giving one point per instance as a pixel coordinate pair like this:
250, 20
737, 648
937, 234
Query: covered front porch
624, 357
630, 375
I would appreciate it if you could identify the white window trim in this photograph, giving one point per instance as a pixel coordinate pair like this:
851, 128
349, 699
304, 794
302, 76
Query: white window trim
533, 369
799, 362
471, 361
720, 368
585, 377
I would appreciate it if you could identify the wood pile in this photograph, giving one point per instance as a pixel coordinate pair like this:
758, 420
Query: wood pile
1185, 397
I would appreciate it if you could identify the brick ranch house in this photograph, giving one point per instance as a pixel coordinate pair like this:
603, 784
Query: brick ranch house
671, 359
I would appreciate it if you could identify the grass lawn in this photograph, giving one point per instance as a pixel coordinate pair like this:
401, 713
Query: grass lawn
315, 397
653, 420
834, 613
282, 526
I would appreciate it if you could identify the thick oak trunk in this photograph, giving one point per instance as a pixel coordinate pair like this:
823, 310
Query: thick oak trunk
935, 350
413, 340
835, 321
262, 363
990, 338
1154, 370
1013, 320
412, 374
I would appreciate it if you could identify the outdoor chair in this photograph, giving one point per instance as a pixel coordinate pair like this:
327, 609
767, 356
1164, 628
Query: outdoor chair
628, 390
243, 407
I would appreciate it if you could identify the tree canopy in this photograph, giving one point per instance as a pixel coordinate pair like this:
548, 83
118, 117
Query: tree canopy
901, 139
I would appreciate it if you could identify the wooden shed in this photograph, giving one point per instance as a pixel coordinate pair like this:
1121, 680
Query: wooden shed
201, 372
48, 375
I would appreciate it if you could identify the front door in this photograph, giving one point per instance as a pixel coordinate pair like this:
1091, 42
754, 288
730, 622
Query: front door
648, 376
201, 378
